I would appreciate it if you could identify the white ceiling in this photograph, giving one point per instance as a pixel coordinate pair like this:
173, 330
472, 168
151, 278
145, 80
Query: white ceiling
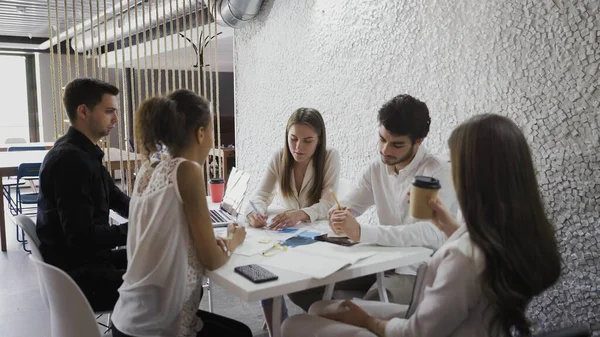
29, 18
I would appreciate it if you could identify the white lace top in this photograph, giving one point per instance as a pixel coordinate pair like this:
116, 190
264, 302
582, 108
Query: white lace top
162, 287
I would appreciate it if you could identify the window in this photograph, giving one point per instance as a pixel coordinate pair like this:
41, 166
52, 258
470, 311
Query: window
14, 112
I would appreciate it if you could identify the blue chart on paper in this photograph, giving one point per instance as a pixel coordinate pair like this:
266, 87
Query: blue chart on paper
296, 241
304, 238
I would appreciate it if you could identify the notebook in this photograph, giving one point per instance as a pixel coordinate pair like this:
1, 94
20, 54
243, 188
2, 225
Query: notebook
226, 214
318, 260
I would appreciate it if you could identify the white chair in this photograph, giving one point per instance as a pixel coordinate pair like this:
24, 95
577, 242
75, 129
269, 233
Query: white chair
15, 141
28, 226
70, 313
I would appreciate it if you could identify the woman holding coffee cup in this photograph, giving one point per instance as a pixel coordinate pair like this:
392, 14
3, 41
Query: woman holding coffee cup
481, 280
303, 172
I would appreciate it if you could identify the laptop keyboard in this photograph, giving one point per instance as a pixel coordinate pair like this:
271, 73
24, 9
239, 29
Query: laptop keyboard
217, 217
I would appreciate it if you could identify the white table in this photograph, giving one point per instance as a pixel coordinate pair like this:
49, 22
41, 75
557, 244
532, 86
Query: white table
387, 258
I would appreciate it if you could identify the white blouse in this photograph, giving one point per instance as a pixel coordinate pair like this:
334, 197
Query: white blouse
162, 287
299, 199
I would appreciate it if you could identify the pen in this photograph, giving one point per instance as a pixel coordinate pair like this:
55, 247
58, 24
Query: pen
230, 235
254, 208
336, 200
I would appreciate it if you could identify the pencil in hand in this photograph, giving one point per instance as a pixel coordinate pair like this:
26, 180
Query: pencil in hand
336, 199
231, 230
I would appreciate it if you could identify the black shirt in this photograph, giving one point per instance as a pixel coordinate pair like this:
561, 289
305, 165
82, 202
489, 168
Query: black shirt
75, 196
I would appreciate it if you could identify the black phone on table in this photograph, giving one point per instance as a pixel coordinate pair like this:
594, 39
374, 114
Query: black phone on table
255, 273
342, 241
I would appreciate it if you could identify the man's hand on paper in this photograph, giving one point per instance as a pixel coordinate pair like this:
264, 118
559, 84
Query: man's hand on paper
344, 222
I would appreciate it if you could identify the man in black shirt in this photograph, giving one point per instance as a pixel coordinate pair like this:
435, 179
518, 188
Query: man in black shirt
76, 194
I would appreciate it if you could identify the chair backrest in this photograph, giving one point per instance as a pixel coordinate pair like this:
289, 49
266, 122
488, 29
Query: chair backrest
28, 226
25, 148
28, 170
572, 331
70, 313
15, 141
417, 290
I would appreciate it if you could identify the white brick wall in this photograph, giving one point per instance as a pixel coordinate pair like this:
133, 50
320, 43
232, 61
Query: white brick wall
534, 61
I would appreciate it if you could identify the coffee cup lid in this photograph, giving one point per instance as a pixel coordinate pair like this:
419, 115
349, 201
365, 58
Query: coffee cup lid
427, 182
216, 180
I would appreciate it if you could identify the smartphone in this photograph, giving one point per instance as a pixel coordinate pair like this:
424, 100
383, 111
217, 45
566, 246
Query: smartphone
342, 241
255, 273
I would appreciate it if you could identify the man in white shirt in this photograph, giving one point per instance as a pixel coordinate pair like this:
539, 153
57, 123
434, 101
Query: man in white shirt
404, 123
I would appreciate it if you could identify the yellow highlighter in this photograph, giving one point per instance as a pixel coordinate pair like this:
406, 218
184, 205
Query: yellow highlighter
336, 200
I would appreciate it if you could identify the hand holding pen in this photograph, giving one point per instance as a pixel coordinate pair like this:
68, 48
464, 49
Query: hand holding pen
235, 237
256, 219
339, 211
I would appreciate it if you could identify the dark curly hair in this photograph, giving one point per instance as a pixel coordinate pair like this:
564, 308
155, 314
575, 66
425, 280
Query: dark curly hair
405, 115
169, 121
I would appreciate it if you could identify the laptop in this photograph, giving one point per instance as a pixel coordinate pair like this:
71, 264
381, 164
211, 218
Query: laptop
228, 210
221, 218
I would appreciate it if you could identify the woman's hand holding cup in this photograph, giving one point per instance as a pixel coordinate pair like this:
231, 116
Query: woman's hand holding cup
442, 218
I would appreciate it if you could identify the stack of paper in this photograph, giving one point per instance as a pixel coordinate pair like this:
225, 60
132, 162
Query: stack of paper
318, 260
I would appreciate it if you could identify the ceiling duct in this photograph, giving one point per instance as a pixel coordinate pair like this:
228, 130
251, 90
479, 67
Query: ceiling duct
236, 13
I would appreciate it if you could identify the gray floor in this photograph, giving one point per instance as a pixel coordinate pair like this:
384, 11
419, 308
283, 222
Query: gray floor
22, 312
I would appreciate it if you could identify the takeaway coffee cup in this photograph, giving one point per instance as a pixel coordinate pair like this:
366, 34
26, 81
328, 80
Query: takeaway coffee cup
422, 189
217, 186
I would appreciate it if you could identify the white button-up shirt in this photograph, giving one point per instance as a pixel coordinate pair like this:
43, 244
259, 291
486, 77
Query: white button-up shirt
388, 190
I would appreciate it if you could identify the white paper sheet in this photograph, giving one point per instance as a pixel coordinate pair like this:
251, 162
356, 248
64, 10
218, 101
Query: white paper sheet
252, 247
318, 260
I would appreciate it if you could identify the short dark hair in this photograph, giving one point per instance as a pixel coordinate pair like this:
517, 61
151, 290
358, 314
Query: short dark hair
405, 115
88, 91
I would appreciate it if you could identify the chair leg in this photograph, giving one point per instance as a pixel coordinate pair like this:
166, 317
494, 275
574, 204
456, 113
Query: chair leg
12, 206
22, 239
109, 325
210, 305
383, 296
25, 242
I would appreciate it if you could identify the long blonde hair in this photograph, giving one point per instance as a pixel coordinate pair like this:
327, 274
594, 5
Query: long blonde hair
312, 118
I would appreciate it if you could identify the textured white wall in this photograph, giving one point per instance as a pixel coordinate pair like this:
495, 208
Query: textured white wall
534, 61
